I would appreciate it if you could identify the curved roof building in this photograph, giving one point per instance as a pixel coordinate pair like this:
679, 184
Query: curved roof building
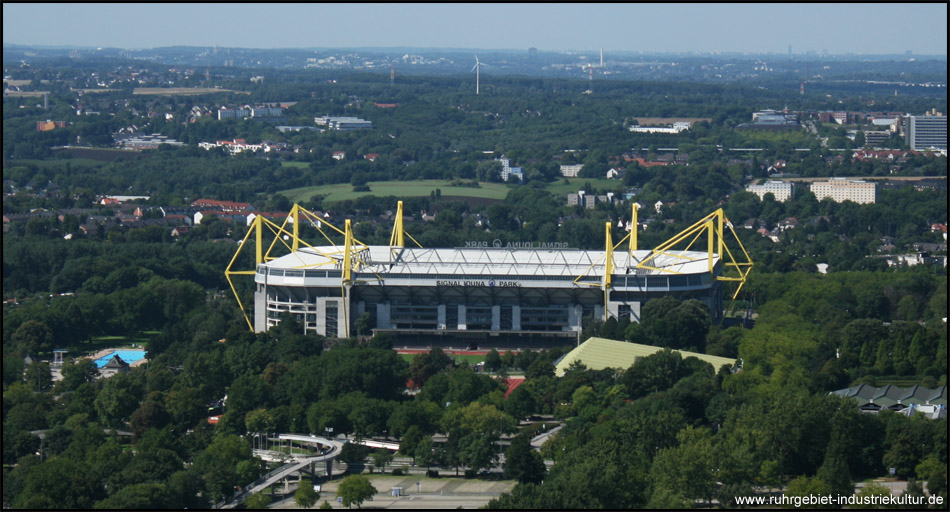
502, 297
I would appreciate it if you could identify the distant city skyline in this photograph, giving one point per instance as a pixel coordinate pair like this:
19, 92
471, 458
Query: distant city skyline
746, 28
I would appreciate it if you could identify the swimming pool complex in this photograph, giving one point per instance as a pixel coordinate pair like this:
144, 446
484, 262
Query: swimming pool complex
129, 356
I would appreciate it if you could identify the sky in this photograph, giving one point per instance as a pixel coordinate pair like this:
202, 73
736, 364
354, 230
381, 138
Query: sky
868, 28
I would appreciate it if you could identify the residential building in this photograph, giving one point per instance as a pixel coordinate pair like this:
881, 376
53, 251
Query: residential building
782, 191
266, 111
926, 132
571, 171
843, 189
233, 113
507, 171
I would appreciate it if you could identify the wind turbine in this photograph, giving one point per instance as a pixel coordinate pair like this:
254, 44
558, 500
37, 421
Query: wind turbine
476, 70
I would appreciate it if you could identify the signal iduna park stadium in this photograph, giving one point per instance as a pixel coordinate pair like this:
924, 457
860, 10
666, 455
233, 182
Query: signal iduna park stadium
499, 297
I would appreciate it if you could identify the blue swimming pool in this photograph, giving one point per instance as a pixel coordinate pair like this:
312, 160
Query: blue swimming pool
129, 356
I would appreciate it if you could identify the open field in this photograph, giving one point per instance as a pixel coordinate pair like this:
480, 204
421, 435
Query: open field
472, 360
180, 91
559, 187
299, 165
101, 154
421, 188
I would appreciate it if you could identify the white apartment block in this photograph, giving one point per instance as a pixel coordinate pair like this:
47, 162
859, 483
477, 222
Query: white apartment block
843, 189
571, 171
781, 190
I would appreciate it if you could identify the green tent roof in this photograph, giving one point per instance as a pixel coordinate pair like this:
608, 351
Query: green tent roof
600, 353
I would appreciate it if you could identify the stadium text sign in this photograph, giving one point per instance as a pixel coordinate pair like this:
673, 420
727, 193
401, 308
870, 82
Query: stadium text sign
498, 244
489, 283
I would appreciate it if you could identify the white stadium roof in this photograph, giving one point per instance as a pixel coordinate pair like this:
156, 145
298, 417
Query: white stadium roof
491, 261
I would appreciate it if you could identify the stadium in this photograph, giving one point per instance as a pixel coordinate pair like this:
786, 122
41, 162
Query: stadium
501, 297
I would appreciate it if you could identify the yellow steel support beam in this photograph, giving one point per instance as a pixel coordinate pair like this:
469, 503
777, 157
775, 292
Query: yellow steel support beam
714, 227
295, 214
347, 255
397, 240
634, 227
258, 246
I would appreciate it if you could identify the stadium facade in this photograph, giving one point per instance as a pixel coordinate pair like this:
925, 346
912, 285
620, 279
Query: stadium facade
470, 296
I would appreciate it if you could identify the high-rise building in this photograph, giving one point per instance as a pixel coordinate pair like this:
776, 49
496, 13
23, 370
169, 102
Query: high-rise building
926, 132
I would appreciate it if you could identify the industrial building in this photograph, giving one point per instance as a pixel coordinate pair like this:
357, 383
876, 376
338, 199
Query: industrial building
502, 295
343, 124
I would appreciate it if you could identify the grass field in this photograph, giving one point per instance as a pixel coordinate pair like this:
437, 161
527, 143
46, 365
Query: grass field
101, 342
559, 187
421, 188
472, 360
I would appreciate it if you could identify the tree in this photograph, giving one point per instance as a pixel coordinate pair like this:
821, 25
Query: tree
78, 371
38, 376
33, 336
935, 473
492, 360
689, 466
382, 457
804, 486
137, 496
428, 364
355, 489
260, 501
226, 463
363, 324
522, 463
306, 497
520, 403
118, 398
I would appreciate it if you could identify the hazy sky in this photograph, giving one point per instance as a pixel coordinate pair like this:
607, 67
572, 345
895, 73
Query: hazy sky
868, 28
